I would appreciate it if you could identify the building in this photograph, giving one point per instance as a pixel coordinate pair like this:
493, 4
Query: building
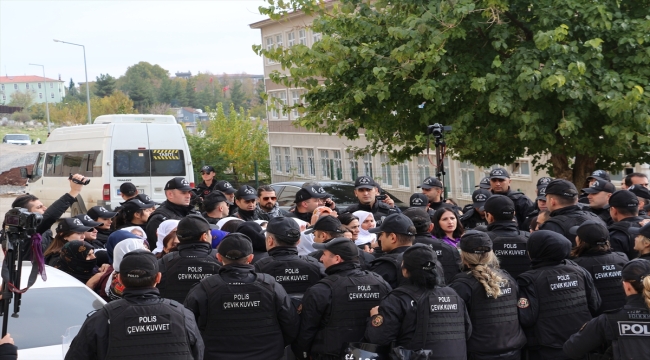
184, 75
39, 86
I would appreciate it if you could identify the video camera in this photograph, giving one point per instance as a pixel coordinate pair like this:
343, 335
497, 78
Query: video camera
438, 132
22, 220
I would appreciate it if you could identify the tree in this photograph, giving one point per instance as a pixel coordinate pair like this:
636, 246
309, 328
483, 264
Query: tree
141, 83
105, 85
22, 99
190, 93
161, 109
565, 78
238, 96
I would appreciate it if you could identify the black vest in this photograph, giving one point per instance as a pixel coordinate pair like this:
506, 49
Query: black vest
396, 261
147, 331
472, 219
511, 251
495, 322
631, 329
563, 309
352, 298
294, 272
606, 269
448, 256
574, 218
624, 226
181, 273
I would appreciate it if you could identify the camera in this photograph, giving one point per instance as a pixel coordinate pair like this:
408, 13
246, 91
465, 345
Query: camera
381, 197
83, 181
23, 220
438, 130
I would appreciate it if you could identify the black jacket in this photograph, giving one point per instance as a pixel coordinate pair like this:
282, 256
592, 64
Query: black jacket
379, 210
306, 217
166, 211
50, 216
621, 241
8, 352
572, 210
523, 206
202, 189
472, 219
603, 214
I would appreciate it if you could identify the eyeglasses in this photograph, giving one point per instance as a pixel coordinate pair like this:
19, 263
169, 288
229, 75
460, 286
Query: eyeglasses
267, 198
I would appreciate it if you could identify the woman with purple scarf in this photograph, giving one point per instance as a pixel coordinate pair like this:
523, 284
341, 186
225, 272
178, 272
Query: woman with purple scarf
446, 226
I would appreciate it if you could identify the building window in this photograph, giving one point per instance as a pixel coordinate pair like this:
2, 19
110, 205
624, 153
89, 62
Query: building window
311, 162
291, 39
367, 165
354, 165
39, 85
403, 175
295, 100
423, 167
287, 160
26, 86
52, 95
467, 179
278, 40
40, 95
316, 37
337, 170
282, 96
386, 171
300, 162
521, 167
4, 98
51, 85
325, 164
15, 86
3, 86
277, 100
269, 47
278, 159
302, 37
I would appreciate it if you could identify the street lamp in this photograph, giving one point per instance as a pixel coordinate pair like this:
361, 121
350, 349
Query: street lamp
86, 70
47, 103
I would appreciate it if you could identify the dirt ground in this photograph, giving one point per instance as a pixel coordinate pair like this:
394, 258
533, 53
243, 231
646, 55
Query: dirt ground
12, 177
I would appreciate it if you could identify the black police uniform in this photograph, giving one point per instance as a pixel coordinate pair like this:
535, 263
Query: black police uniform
335, 310
364, 258
166, 211
379, 210
523, 205
496, 332
603, 214
626, 332
472, 219
142, 325
210, 220
619, 237
243, 314
183, 269
202, 189
563, 219
417, 318
294, 272
306, 217
529, 217
448, 256
605, 268
509, 245
389, 266
246, 215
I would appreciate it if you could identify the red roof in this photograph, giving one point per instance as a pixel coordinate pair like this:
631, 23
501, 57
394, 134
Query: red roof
25, 79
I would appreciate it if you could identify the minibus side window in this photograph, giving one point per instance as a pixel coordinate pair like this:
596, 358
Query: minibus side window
131, 163
167, 163
53, 165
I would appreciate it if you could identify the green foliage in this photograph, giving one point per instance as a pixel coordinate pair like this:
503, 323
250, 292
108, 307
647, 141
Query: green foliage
104, 86
21, 116
567, 78
237, 95
22, 99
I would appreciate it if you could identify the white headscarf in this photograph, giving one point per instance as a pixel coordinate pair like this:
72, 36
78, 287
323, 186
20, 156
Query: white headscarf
164, 229
131, 228
365, 237
122, 248
223, 221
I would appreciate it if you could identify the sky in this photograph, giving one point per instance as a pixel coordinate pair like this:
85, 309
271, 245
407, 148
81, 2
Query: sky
199, 36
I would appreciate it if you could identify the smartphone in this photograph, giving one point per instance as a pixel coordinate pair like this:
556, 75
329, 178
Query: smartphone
381, 197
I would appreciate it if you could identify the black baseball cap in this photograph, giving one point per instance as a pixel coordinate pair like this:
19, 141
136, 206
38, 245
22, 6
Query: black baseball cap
418, 200
88, 221
430, 182
499, 173
136, 261
215, 196
541, 193
225, 187
309, 192
591, 232
178, 183
286, 228
644, 230
600, 185
640, 191
499, 205
72, 224
397, 224
342, 247
137, 204
475, 242
191, 227
600, 174
207, 169
235, 246
561, 187
246, 192
145, 199
543, 181
420, 256
326, 223
636, 270
479, 197
484, 183
97, 212
364, 182
623, 199
128, 189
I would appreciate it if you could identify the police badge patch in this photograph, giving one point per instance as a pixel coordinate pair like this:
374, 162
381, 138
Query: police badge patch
522, 303
377, 320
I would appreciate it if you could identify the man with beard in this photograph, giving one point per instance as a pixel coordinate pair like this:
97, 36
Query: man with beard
267, 204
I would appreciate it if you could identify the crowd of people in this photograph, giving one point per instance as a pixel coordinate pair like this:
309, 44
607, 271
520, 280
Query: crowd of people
220, 272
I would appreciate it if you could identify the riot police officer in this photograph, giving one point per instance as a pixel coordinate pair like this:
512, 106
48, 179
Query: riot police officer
395, 235
475, 216
500, 184
327, 228
540, 201
242, 314
433, 189
625, 330
209, 182
624, 208
366, 190
642, 241
556, 296
215, 207
141, 324
193, 261
643, 194
598, 194
227, 188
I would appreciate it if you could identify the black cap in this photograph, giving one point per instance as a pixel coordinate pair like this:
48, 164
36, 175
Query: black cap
640, 191
591, 232
499, 173
623, 199
561, 187
543, 181
285, 227
342, 247
97, 212
235, 246
420, 256
72, 224
191, 227
636, 270
309, 192
475, 242
600, 174
136, 261
128, 189
326, 223
484, 183
246, 192
418, 200
499, 206
145, 199
541, 193
225, 187
645, 230
397, 224
137, 204
430, 182
207, 169
600, 185
364, 182
88, 221
480, 196
215, 196
178, 183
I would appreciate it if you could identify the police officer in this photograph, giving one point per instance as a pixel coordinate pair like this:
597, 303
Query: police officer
475, 216
215, 207
420, 200
432, 188
327, 228
193, 261
642, 241
366, 191
246, 201
177, 206
491, 298
643, 194
422, 316
133, 213
307, 200
295, 273
624, 208
510, 243
556, 297
447, 255
562, 200
598, 194
625, 330
208, 184
105, 217
227, 188
540, 201
592, 252
596, 175
500, 184
242, 314
395, 235
334, 310
141, 324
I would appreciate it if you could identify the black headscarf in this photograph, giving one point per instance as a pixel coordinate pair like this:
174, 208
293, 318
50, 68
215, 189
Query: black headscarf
547, 248
73, 260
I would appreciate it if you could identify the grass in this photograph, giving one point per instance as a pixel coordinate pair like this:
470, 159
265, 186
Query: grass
34, 133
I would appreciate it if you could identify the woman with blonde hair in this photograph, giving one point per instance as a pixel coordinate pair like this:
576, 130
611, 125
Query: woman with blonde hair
491, 298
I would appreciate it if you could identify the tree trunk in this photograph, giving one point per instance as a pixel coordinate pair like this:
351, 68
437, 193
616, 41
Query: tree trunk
561, 168
584, 165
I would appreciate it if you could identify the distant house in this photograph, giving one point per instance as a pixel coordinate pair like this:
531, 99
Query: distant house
190, 115
40, 87
184, 75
